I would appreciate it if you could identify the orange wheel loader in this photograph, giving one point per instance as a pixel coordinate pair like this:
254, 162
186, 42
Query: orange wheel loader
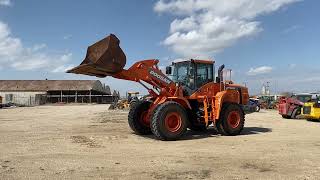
192, 98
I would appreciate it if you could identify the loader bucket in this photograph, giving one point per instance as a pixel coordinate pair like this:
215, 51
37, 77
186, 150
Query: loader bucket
103, 58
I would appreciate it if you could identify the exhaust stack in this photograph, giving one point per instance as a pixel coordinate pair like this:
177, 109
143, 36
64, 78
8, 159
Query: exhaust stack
220, 74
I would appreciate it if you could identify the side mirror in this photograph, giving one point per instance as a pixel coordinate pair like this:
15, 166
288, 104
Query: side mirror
168, 70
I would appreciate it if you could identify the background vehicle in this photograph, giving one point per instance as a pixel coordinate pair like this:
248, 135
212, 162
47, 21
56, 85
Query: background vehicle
268, 101
191, 99
290, 107
252, 106
311, 110
131, 97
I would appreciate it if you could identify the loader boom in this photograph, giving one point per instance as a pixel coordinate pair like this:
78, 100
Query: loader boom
148, 71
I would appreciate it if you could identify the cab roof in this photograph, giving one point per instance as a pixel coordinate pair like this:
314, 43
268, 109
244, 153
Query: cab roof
195, 61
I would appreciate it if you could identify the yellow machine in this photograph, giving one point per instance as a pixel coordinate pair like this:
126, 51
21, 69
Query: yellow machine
132, 97
311, 110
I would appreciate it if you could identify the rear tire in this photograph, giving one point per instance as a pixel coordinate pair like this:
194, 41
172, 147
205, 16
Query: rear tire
133, 101
135, 118
231, 120
295, 113
169, 121
286, 116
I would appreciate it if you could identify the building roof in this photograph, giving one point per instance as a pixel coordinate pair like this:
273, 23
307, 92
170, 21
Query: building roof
53, 85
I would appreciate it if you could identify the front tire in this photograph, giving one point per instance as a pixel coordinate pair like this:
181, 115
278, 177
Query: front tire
231, 120
169, 121
136, 117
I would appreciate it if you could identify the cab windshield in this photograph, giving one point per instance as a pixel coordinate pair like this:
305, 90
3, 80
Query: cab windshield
304, 98
183, 73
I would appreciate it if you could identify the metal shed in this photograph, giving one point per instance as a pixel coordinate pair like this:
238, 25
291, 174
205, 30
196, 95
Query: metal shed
36, 92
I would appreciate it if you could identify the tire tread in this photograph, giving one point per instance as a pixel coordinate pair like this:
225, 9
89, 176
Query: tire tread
132, 118
155, 126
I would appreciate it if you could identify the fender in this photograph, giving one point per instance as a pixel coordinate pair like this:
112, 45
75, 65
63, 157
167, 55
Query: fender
180, 100
183, 101
162, 99
229, 95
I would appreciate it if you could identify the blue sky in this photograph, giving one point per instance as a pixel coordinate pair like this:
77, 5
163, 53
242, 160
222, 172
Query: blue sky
261, 40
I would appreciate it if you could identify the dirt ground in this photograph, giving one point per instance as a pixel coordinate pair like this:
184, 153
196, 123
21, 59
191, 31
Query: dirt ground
88, 141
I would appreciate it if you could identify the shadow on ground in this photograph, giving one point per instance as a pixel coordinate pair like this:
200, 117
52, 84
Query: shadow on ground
313, 120
211, 132
255, 130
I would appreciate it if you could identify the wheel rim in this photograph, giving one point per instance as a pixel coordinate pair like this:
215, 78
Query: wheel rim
143, 118
173, 122
234, 119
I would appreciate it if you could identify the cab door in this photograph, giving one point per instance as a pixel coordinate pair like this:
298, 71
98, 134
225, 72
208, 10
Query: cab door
203, 74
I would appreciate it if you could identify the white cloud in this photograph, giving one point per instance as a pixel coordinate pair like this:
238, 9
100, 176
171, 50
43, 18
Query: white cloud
204, 27
291, 29
5, 2
283, 79
259, 70
292, 66
66, 37
13, 54
63, 68
38, 47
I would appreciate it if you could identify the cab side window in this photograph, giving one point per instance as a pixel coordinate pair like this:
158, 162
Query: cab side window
204, 74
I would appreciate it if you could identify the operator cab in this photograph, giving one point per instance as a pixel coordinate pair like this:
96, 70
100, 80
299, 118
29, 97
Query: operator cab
192, 74
306, 97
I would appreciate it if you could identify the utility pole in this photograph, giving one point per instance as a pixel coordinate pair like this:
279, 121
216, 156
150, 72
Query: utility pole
245, 84
275, 87
268, 88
